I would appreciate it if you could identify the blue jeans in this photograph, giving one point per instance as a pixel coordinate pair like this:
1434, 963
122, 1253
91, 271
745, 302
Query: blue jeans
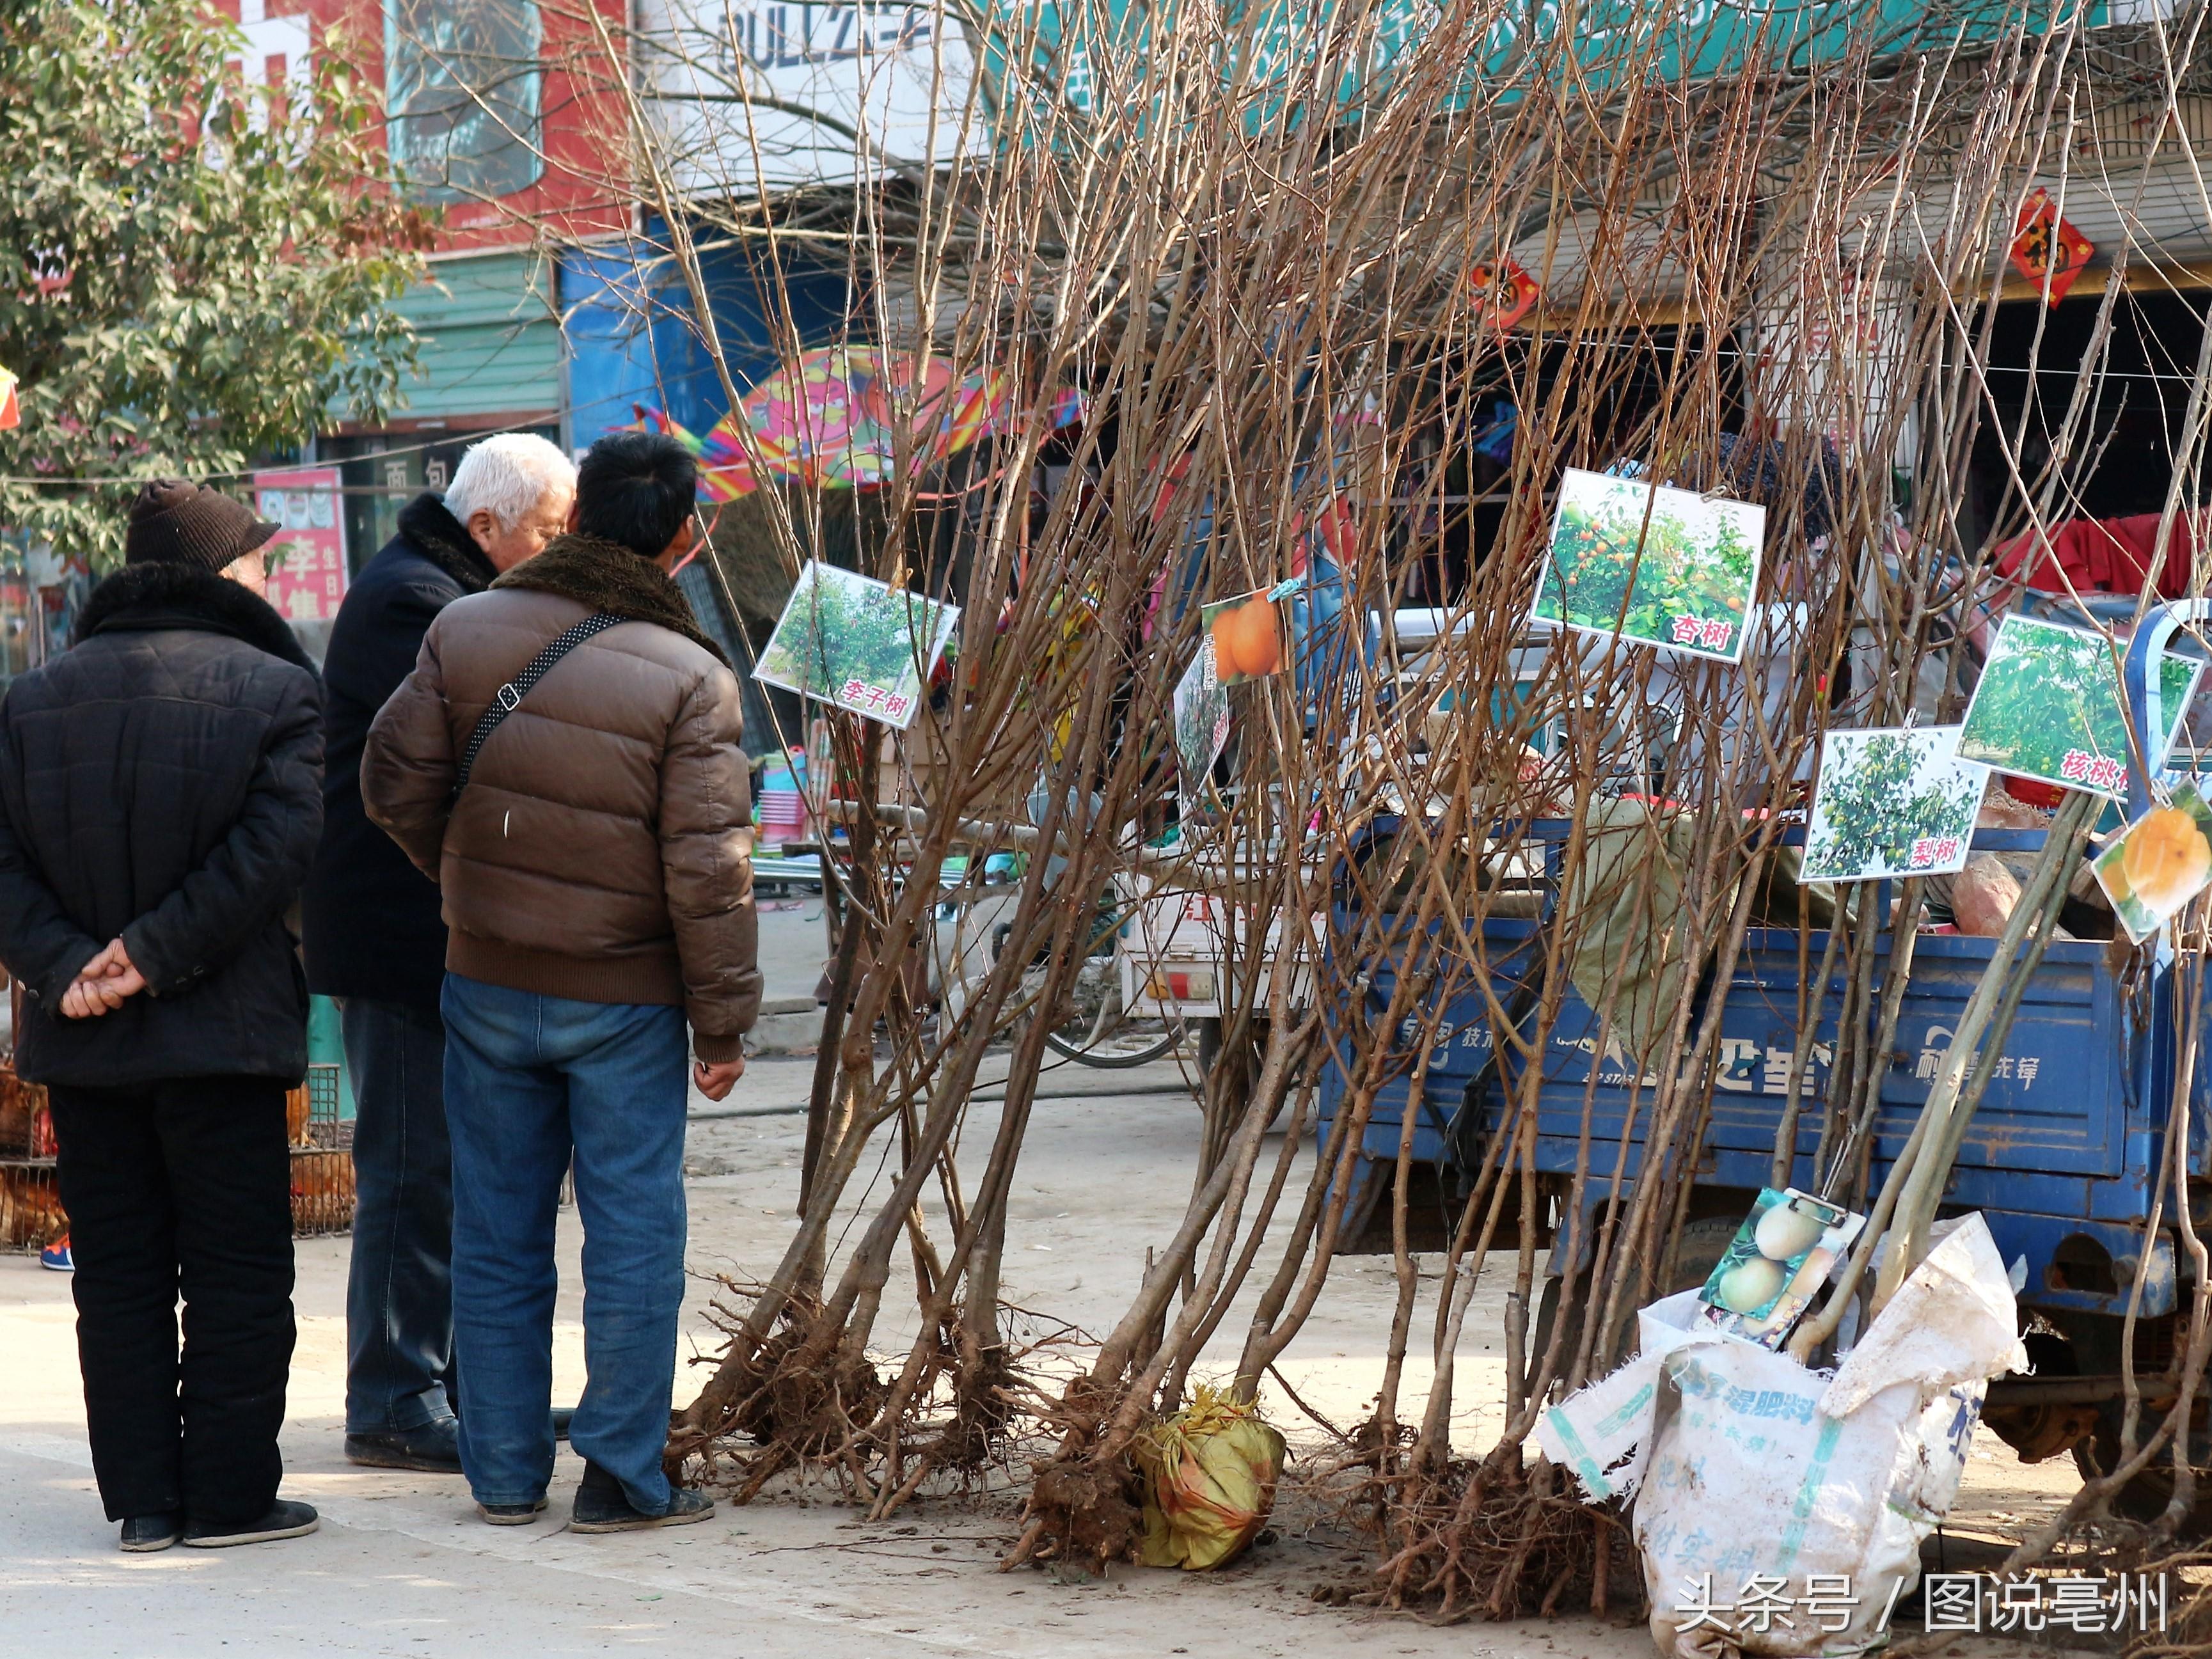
528, 1079
399, 1293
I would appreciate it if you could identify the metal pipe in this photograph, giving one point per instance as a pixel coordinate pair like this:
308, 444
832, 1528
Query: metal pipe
2076, 1390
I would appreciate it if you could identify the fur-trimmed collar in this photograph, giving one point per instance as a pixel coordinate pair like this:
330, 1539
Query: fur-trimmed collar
142, 597
431, 530
609, 577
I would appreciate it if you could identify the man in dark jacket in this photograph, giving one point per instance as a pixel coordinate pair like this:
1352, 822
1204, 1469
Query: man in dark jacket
374, 940
597, 872
158, 804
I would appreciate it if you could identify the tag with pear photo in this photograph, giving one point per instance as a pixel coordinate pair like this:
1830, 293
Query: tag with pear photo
1776, 1264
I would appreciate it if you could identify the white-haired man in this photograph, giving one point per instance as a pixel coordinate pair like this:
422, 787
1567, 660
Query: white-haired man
375, 940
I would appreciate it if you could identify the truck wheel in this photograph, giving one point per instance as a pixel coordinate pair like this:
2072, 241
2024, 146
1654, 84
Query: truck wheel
1703, 1243
2144, 1497
2096, 1351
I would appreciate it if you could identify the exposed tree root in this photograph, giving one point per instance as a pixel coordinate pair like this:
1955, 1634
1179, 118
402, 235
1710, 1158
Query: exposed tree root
977, 1433
2188, 1632
1090, 1511
1493, 1540
798, 1406
1086, 1501
796, 1403
986, 1394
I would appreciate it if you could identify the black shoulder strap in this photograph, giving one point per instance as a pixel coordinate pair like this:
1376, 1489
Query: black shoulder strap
509, 697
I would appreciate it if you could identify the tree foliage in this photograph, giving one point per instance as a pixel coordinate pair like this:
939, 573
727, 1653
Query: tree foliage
1613, 567
2048, 690
202, 271
1880, 793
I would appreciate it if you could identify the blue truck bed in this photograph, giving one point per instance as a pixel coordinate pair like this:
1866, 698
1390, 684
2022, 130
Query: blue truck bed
2060, 1156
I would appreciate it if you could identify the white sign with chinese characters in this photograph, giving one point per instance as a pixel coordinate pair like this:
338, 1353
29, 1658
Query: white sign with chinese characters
759, 95
1962, 1603
2029, 1604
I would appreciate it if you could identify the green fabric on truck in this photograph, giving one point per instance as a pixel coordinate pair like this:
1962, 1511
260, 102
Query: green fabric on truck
1623, 909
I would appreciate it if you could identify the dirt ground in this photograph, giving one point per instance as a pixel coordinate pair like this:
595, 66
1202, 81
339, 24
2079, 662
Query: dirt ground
403, 1566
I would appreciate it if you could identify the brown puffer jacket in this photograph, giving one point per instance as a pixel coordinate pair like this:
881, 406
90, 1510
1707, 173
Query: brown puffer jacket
603, 848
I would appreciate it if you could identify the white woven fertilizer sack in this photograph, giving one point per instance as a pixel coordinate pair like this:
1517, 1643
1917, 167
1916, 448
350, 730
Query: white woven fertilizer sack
1780, 1510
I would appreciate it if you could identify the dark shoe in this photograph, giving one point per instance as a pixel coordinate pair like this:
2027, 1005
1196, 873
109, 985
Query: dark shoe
284, 1520
563, 1417
145, 1534
511, 1515
602, 1505
433, 1448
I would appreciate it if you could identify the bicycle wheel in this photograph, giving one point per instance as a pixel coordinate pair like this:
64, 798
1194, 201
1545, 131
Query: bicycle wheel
1098, 1031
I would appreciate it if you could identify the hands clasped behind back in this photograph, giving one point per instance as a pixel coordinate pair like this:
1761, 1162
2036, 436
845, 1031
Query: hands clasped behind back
103, 983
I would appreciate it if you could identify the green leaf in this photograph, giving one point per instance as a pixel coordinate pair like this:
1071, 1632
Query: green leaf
227, 288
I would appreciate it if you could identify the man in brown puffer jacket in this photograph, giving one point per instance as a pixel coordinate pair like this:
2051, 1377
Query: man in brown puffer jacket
597, 883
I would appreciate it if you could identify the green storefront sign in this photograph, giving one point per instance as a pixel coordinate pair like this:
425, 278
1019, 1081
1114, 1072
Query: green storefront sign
1267, 45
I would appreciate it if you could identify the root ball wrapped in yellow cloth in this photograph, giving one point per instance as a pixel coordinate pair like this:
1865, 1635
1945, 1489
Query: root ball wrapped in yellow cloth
1210, 1471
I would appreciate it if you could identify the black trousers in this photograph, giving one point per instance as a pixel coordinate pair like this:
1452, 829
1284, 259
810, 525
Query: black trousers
181, 1187
399, 1291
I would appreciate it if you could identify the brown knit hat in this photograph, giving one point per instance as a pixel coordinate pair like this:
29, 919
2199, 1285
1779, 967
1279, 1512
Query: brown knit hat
173, 522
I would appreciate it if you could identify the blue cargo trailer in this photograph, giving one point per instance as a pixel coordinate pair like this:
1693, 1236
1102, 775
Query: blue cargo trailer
2061, 1157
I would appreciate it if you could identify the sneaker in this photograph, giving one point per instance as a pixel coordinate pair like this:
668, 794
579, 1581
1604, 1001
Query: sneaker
57, 1256
511, 1515
285, 1519
602, 1505
145, 1534
563, 1417
433, 1449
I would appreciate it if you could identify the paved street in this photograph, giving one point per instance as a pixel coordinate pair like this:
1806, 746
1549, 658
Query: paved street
402, 1565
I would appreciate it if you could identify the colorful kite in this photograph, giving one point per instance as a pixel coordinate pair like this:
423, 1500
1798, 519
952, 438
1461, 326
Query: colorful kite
832, 419
1504, 293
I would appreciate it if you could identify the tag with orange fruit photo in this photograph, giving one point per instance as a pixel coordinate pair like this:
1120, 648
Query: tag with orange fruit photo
2153, 867
1250, 639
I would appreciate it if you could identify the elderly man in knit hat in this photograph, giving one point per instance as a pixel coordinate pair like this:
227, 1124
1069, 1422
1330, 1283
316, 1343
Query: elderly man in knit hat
159, 802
